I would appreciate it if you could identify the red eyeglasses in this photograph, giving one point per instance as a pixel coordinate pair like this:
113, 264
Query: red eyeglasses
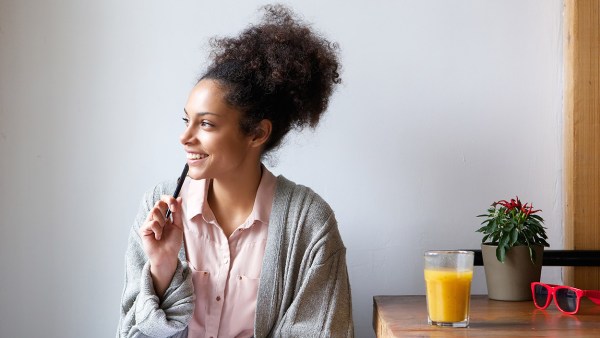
566, 298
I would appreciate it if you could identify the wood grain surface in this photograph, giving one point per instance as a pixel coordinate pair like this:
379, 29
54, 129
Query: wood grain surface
406, 316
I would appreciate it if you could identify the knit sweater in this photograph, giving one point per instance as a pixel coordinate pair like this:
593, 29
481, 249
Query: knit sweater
304, 289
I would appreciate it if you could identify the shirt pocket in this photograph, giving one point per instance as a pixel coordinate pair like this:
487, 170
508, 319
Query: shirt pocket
202, 291
246, 291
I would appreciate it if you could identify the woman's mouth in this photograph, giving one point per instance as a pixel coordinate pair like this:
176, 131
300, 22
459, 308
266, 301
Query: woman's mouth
195, 156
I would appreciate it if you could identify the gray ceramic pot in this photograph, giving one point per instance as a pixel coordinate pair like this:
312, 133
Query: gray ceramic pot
511, 280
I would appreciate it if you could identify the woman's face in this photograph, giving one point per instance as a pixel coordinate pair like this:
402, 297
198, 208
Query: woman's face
214, 143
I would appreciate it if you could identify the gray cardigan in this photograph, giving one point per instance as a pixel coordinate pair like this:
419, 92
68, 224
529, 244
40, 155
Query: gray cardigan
303, 292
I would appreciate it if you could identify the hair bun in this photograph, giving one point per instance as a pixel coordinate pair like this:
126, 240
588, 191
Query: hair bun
279, 69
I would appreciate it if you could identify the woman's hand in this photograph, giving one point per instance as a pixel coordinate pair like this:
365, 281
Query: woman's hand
162, 239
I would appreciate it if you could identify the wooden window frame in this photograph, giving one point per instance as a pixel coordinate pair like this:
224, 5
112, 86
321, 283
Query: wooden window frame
582, 136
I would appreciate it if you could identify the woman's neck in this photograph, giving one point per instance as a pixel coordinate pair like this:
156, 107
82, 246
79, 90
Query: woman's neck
232, 199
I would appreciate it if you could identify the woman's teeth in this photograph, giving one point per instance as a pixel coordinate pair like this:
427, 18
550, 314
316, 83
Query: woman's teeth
196, 156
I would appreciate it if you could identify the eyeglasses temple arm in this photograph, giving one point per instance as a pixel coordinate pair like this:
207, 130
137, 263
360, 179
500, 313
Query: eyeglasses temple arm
593, 295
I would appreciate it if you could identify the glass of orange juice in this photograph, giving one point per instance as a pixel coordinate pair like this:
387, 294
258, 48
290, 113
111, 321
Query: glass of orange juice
448, 276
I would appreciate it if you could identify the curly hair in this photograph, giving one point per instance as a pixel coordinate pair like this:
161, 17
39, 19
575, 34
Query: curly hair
280, 70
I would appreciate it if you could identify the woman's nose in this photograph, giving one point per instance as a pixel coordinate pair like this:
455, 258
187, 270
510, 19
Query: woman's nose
186, 136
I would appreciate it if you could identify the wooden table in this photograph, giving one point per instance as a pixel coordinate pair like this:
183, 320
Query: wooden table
406, 316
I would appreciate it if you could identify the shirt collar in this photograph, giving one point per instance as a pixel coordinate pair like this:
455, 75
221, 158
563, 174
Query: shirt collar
196, 192
261, 211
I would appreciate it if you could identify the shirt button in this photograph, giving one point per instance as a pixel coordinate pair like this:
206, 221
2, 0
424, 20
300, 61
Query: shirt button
218, 298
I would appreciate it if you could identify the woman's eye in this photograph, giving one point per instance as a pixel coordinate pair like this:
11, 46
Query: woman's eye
206, 124
186, 120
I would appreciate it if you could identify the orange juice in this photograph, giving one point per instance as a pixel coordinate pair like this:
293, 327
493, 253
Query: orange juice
448, 294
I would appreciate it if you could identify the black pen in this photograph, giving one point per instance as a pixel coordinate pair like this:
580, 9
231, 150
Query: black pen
179, 184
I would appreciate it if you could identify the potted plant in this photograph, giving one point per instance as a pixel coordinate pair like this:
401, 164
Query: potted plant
512, 249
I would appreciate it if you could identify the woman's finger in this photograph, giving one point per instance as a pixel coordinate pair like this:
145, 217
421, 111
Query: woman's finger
158, 208
177, 212
152, 228
168, 200
163, 206
156, 219
157, 214
156, 228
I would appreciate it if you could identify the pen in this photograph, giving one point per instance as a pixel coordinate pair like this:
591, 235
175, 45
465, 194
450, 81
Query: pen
179, 184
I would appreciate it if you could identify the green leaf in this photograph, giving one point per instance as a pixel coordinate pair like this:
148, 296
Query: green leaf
514, 235
504, 241
537, 217
501, 253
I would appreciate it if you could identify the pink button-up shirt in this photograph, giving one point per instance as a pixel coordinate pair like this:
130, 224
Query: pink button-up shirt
225, 271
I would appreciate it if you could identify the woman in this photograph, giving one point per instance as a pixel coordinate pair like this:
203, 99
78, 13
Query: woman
245, 253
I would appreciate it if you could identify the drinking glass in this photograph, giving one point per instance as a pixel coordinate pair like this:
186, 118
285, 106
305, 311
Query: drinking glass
448, 276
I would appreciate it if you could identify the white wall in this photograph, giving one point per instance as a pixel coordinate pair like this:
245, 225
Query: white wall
446, 106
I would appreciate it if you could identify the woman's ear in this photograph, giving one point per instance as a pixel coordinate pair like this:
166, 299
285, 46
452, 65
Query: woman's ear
261, 133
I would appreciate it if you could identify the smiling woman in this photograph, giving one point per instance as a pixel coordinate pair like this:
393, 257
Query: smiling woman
245, 253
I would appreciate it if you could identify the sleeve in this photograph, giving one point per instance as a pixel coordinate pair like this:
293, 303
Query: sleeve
143, 314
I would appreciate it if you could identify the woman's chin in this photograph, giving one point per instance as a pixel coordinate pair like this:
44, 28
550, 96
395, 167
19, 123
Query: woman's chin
196, 174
